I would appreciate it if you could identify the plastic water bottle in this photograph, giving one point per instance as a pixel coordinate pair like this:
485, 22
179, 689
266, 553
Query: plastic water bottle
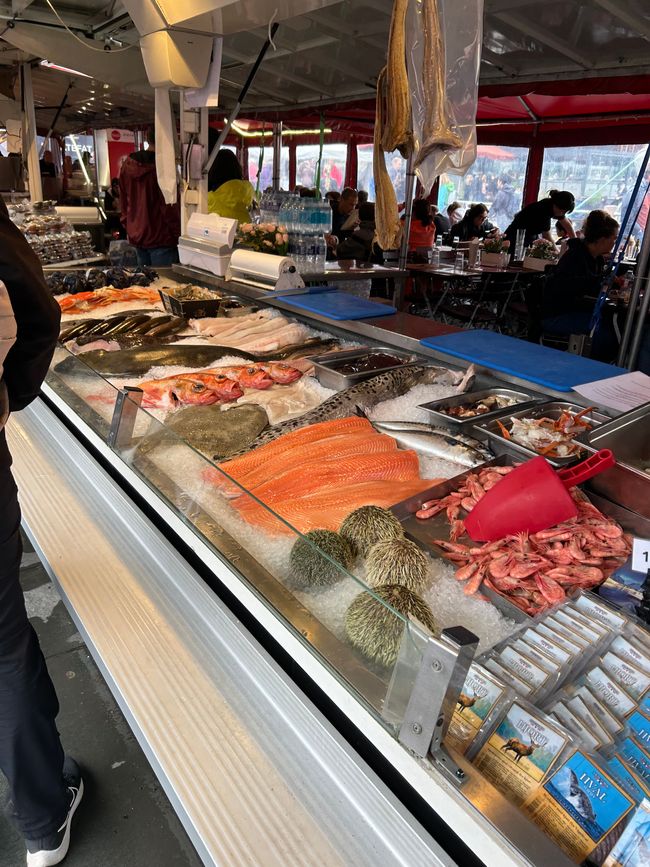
439, 243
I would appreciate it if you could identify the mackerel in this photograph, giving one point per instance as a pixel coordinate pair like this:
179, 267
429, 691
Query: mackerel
414, 428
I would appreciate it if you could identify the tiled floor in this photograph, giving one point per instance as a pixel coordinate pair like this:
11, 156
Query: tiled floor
125, 820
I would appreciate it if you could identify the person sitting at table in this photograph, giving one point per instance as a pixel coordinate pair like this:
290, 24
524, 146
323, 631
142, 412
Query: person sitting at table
472, 225
423, 231
440, 221
454, 213
535, 219
573, 286
360, 244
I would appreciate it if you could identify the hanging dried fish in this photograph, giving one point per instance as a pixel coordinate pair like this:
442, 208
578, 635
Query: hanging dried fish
397, 133
389, 226
437, 132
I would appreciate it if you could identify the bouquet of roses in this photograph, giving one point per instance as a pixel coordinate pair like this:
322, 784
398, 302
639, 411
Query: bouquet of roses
263, 238
542, 249
496, 244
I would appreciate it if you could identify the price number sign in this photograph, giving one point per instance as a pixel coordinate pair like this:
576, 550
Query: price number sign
641, 555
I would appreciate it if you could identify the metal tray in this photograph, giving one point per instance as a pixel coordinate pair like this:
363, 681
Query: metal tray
232, 306
628, 436
423, 533
435, 407
552, 409
331, 378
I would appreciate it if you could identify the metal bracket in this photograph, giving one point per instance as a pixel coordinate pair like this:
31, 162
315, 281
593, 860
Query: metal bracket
436, 685
125, 413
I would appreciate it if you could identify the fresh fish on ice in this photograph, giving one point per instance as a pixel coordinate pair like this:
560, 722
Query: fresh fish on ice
366, 394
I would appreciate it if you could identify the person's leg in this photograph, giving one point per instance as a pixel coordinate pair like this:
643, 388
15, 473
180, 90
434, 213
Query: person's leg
163, 257
31, 756
144, 256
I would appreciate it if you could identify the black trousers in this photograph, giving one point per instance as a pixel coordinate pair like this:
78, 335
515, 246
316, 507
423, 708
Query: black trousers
31, 756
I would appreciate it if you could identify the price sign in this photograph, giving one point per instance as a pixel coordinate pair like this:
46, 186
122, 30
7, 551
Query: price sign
641, 555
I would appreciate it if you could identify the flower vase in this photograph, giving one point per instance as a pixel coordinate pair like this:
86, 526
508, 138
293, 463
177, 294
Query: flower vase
491, 260
532, 263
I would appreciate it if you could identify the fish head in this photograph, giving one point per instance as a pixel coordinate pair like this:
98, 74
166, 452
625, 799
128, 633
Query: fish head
177, 391
283, 373
222, 387
254, 377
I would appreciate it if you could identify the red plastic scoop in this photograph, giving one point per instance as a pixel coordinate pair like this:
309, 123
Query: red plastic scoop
532, 497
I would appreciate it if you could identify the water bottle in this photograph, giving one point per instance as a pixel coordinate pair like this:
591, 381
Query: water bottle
628, 285
439, 244
434, 257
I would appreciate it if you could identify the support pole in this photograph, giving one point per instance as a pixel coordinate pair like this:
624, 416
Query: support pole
408, 211
641, 271
277, 154
30, 142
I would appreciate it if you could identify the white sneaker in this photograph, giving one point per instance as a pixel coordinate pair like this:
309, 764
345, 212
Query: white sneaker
51, 850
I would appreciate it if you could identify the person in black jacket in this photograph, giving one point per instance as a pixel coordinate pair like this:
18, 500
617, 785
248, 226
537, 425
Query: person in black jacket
472, 225
574, 285
535, 219
45, 786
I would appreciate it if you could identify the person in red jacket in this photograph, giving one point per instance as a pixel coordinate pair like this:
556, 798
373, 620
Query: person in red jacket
423, 231
151, 226
45, 786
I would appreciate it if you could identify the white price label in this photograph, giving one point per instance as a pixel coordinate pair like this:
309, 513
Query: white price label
641, 555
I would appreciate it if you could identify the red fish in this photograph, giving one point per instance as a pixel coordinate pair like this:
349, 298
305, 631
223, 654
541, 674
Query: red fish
189, 389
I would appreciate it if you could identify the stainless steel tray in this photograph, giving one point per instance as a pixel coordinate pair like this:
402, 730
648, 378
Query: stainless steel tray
424, 533
552, 409
435, 408
628, 436
231, 306
331, 378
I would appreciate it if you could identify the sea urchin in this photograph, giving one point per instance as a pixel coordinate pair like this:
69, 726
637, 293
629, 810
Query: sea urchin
368, 525
397, 561
308, 568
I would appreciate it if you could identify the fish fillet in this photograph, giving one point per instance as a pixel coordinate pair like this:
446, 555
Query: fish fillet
327, 449
301, 480
326, 510
294, 440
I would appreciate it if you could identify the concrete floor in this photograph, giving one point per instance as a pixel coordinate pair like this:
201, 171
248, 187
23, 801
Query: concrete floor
125, 820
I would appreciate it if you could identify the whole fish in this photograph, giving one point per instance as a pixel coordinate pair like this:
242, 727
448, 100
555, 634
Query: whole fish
395, 428
140, 359
189, 389
437, 444
214, 433
366, 394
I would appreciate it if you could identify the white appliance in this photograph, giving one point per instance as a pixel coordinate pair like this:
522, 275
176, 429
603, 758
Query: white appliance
207, 243
264, 271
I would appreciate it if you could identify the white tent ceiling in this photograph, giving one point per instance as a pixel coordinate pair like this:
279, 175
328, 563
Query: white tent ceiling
330, 55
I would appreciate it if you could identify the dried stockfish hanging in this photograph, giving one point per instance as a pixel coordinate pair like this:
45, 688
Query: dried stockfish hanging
437, 130
388, 225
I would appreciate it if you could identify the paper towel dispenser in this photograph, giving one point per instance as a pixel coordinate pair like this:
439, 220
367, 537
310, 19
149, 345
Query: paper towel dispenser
264, 271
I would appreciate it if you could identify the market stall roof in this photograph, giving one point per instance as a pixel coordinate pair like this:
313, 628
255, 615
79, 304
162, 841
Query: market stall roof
333, 55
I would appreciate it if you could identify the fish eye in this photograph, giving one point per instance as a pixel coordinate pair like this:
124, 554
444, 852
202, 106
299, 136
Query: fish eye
251, 370
198, 386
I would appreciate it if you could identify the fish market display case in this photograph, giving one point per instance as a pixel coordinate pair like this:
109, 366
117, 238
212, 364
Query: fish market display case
404, 704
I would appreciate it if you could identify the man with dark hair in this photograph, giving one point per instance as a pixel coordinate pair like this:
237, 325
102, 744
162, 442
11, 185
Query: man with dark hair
45, 787
151, 226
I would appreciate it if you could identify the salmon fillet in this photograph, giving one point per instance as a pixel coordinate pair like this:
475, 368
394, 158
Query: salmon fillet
300, 481
293, 440
326, 449
326, 510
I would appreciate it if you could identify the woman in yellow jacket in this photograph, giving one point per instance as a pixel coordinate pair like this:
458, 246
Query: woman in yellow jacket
229, 195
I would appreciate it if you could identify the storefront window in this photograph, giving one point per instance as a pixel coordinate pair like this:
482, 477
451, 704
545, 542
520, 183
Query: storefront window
496, 179
332, 166
599, 176
395, 164
266, 176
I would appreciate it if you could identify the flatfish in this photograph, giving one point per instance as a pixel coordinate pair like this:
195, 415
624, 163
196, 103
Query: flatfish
213, 433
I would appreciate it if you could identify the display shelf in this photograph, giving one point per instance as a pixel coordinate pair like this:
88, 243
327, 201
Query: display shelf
253, 770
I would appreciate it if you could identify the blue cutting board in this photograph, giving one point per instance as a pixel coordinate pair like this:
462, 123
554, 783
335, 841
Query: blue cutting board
550, 368
339, 305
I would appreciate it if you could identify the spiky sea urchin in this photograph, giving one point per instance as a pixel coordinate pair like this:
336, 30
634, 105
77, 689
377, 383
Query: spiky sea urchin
368, 525
397, 561
309, 569
375, 630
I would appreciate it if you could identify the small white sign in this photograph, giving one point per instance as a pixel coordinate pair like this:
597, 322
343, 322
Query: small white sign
641, 555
